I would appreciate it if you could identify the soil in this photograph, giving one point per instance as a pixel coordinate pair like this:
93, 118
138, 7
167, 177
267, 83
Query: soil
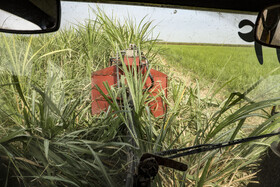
11, 181
269, 171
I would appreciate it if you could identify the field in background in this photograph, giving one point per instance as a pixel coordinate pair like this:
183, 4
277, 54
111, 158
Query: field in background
210, 63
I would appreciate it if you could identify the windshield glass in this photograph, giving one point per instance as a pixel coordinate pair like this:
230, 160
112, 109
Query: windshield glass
82, 106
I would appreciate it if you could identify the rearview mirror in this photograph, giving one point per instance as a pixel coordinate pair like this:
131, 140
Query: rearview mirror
267, 30
29, 16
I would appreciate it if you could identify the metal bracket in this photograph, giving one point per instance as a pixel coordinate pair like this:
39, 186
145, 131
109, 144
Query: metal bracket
149, 166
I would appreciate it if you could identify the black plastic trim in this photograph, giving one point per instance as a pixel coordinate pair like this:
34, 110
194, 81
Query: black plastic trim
245, 6
55, 28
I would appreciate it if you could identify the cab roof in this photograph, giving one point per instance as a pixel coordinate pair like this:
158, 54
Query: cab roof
241, 6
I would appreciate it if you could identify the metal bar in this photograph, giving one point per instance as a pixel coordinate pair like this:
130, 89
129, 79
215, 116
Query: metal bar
131, 157
208, 147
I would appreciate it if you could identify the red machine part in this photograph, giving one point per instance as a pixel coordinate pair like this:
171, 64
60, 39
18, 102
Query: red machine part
109, 75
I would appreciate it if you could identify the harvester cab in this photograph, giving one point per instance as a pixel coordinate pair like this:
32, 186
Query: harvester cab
132, 60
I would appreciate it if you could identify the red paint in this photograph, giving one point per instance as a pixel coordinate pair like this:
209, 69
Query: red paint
109, 75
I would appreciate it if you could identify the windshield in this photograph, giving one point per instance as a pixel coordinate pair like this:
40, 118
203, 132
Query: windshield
82, 106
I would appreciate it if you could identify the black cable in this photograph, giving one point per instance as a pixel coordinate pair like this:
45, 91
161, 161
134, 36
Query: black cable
208, 147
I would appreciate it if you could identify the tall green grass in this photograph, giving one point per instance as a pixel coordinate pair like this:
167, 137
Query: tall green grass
47, 128
48, 136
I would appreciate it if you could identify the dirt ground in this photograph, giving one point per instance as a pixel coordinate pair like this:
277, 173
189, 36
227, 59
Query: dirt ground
269, 174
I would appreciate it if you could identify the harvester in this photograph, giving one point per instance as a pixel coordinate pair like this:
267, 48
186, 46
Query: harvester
155, 84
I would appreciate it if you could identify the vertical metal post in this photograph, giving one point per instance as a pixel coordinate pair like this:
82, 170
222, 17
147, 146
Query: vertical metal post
131, 159
117, 67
